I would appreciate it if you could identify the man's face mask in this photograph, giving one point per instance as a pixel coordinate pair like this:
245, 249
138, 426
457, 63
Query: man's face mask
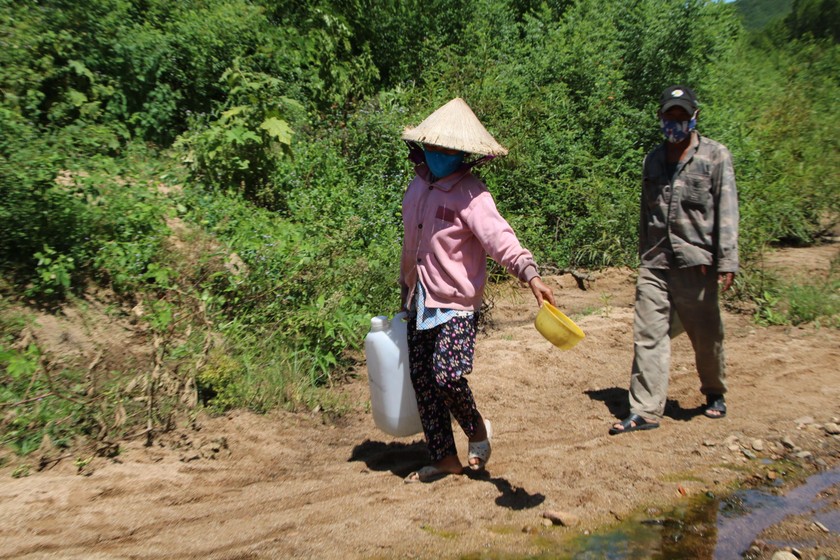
442, 164
677, 131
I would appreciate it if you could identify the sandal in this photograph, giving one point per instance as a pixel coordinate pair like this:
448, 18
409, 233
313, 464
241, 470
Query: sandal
631, 424
480, 449
715, 403
429, 473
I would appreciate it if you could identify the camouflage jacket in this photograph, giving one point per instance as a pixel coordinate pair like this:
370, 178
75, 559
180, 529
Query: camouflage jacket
690, 218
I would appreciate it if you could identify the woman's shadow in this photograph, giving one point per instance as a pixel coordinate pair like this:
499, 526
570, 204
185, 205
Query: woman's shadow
398, 457
401, 459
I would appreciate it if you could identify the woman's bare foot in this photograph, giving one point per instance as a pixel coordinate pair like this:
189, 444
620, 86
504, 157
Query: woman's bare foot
450, 464
446, 466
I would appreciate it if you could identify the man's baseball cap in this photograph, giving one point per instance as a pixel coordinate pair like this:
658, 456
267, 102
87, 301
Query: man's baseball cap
678, 96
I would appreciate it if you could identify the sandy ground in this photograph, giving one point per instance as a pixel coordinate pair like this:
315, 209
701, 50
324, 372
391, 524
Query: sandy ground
288, 485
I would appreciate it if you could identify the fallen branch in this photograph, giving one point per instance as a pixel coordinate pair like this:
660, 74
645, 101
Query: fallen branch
580, 277
26, 401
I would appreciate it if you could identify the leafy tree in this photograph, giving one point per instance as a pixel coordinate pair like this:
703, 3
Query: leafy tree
818, 18
757, 14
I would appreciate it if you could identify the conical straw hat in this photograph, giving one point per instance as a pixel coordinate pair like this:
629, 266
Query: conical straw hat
455, 126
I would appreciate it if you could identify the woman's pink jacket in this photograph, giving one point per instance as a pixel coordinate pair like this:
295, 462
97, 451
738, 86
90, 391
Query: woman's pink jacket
450, 227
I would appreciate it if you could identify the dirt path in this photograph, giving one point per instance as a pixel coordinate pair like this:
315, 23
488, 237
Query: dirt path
296, 486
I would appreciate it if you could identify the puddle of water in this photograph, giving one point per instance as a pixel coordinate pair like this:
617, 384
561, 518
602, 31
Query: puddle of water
735, 533
683, 533
711, 529
831, 519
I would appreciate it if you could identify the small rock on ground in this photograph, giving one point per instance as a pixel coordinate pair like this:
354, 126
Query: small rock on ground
561, 518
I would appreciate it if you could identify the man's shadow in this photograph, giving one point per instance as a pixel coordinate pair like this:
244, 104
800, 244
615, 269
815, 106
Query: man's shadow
401, 459
616, 401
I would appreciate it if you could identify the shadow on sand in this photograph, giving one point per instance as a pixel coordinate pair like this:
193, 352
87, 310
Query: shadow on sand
616, 401
403, 458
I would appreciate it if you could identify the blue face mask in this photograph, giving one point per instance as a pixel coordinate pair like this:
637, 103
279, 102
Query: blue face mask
441, 164
677, 131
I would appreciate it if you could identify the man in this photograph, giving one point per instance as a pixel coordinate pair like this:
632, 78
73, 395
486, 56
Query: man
688, 245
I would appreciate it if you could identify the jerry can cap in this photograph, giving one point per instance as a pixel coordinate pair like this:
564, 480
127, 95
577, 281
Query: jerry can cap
379, 323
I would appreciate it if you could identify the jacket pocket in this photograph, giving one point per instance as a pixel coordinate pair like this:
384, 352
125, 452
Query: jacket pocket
697, 191
445, 218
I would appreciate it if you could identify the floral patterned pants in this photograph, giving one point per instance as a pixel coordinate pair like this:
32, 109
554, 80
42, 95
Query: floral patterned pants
439, 359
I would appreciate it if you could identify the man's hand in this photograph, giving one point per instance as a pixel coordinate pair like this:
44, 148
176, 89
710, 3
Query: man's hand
725, 280
541, 291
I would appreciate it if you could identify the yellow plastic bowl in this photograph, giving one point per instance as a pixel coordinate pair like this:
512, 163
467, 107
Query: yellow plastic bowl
557, 328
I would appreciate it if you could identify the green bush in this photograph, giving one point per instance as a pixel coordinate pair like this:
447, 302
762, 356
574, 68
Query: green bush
779, 133
69, 222
795, 301
38, 403
240, 148
307, 293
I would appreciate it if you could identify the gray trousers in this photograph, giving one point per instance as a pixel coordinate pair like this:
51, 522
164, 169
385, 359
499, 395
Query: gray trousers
669, 302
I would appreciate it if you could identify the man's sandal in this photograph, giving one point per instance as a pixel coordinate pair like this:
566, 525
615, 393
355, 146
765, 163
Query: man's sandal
632, 423
480, 450
715, 403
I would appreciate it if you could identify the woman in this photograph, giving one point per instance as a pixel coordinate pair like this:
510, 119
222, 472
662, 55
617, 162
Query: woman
451, 225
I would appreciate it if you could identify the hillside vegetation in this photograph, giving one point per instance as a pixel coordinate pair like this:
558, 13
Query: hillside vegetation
226, 175
756, 14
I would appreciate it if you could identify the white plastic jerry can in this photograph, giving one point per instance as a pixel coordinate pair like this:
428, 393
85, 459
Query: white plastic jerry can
392, 399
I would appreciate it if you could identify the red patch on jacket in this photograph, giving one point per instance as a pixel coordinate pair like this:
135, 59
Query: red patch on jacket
445, 214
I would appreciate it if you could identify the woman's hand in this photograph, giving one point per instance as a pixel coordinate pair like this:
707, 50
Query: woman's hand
403, 298
541, 291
